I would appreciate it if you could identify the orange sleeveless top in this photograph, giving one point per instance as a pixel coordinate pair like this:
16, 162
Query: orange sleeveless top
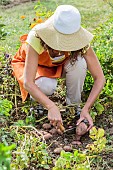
45, 67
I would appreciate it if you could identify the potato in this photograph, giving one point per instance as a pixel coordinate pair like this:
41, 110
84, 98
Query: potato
47, 136
59, 132
61, 127
81, 129
58, 150
46, 126
53, 131
67, 148
76, 143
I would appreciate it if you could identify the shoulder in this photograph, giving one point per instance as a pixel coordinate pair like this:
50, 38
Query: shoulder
34, 40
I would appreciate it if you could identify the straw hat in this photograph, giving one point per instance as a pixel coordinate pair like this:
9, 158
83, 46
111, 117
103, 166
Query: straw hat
63, 31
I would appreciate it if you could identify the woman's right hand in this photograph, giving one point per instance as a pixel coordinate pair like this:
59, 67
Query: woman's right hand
54, 116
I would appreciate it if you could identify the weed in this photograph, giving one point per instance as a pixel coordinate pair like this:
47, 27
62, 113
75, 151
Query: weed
30, 151
5, 156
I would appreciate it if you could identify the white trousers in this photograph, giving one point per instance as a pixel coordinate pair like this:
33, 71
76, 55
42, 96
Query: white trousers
75, 76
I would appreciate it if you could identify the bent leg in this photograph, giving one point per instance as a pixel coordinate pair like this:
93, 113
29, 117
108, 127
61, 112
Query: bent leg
75, 76
46, 85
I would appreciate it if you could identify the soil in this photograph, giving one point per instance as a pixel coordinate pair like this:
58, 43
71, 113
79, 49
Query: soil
104, 121
12, 3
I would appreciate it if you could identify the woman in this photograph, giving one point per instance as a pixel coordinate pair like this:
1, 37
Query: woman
59, 47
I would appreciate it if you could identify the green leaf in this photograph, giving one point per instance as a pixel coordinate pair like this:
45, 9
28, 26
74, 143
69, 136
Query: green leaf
5, 107
2, 25
93, 133
99, 108
100, 133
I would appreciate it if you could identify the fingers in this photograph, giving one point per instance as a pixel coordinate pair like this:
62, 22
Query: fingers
80, 120
54, 119
53, 122
54, 116
58, 125
90, 122
90, 125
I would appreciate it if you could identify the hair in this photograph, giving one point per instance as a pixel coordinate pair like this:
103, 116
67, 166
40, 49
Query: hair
73, 54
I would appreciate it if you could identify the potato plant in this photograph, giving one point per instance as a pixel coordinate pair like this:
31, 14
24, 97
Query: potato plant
82, 160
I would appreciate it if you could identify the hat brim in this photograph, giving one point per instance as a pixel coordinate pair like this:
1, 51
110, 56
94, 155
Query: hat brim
63, 42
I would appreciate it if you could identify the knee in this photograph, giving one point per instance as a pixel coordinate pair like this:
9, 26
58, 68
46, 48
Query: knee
47, 85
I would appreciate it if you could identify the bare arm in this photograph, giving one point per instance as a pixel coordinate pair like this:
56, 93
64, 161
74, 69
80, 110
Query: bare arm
99, 80
31, 65
98, 76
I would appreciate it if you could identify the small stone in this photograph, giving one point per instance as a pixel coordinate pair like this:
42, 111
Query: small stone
46, 126
66, 141
67, 148
58, 150
61, 145
47, 136
70, 127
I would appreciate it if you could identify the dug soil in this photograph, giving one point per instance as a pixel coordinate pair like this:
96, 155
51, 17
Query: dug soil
11, 3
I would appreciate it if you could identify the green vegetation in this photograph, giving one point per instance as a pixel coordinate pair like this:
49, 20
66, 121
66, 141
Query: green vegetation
79, 160
93, 13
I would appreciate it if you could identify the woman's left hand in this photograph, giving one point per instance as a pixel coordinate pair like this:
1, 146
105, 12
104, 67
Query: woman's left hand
84, 115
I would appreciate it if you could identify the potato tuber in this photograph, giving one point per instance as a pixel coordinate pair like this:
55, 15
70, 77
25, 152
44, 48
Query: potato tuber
47, 136
61, 127
81, 129
46, 126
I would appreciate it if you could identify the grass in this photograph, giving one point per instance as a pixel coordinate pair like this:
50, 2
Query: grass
93, 13
15, 26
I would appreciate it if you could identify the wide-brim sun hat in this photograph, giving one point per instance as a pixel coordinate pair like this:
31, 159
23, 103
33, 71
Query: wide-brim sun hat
63, 31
